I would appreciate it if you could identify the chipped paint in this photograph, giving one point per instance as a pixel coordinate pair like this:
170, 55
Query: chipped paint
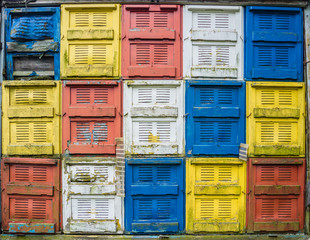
91, 183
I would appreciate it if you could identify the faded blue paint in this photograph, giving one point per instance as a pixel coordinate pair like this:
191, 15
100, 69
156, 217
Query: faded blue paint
215, 117
28, 27
273, 43
154, 200
31, 228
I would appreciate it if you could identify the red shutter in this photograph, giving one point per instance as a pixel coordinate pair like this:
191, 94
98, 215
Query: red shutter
91, 116
152, 41
276, 194
30, 193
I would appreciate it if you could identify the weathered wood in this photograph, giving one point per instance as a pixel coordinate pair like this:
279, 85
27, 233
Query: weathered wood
299, 3
39, 46
33, 63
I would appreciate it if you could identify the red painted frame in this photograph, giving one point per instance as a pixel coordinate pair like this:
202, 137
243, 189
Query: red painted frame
288, 190
150, 35
49, 190
110, 112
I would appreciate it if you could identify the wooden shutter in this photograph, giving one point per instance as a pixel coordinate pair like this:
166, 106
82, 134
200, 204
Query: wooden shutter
32, 43
153, 116
276, 114
30, 192
276, 194
274, 43
31, 113
215, 121
154, 195
90, 41
213, 42
92, 118
92, 202
215, 195
152, 41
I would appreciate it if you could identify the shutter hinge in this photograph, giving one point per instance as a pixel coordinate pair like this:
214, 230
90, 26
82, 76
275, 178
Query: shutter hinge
123, 37
185, 115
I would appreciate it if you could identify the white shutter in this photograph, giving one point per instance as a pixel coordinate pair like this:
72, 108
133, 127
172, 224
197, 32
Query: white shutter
153, 115
90, 200
213, 42
89, 208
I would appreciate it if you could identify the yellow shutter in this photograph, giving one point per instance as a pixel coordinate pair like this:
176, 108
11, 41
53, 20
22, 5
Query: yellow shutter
90, 41
215, 199
31, 118
275, 119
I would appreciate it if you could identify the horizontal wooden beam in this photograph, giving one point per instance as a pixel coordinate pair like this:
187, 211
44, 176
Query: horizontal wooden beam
288, 3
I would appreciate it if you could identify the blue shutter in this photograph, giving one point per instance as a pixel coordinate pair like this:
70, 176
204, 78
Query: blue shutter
215, 123
32, 43
154, 200
274, 42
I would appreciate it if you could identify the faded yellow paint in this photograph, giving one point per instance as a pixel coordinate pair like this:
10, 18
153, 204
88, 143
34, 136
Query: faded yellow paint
31, 118
215, 195
275, 119
152, 138
90, 41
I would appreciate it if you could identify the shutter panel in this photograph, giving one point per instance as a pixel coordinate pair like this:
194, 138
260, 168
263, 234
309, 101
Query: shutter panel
32, 43
216, 117
274, 43
92, 118
275, 113
215, 195
30, 192
153, 113
213, 39
151, 41
31, 113
154, 195
92, 201
90, 43
276, 194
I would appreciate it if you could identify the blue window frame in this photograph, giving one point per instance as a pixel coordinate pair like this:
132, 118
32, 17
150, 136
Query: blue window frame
215, 117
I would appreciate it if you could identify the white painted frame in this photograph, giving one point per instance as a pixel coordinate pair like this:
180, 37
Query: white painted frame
91, 190
193, 37
146, 112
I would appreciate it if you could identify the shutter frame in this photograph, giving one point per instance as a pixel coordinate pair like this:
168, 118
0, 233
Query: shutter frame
102, 187
98, 38
256, 38
194, 37
216, 185
159, 105
36, 106
278, 108
168, 65
159, 222
103, 107
276, 189
43, 176
217, 115
33, 47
